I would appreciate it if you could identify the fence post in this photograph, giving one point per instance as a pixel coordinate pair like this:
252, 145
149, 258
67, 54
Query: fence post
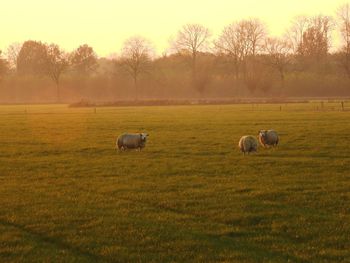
342, 105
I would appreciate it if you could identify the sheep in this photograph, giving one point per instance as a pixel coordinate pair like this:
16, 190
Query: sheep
248, 144
131, 141
268, 138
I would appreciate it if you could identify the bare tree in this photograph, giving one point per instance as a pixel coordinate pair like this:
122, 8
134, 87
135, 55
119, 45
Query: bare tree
278, 56
57, 63
192, 38
344, 24
3, 66
296, 32
256, 33
233, 43
12, 54
136, 58
242, 41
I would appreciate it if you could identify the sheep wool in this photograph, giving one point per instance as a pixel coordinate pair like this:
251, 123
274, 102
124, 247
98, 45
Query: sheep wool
268, 138
131, 141
248, 144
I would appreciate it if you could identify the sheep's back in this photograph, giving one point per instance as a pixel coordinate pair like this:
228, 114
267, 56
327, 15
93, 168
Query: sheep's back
248, 143
272, 137
130, 140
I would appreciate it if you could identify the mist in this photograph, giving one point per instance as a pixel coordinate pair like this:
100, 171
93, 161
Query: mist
243, 61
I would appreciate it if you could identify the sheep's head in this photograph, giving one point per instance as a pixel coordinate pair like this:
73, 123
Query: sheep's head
263, 133
143, 136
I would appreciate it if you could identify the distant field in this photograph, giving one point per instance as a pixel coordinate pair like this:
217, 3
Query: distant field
67, 195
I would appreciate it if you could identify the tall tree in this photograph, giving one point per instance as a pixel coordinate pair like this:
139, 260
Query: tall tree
233, 43
42, 59
256, 33
278, 56
84, 60
192, 38
57, 63
12, 54
241, 42
316, 38
32, 58
296, 32
344, 25
3, 66
136, 57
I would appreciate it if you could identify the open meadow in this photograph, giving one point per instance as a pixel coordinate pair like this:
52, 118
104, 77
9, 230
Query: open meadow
66, 194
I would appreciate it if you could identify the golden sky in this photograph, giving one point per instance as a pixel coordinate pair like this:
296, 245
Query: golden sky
105, 24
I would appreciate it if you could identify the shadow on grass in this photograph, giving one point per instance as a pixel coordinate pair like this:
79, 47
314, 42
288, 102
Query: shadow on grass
41, 238
240, 242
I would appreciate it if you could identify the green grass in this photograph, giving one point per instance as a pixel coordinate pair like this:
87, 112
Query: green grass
66, 195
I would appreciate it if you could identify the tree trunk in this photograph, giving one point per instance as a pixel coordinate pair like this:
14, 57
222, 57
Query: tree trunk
136, 88
58, 99
282, 83
194, 69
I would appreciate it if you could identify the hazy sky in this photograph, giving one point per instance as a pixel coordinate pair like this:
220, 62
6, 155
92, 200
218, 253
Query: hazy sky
105, 24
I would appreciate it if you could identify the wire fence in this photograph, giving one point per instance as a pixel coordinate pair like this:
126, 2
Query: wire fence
317, 106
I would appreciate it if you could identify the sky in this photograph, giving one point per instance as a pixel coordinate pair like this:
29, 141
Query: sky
106, 24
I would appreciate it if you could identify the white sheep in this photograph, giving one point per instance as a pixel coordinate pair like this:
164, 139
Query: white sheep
131, 141
268, 138
248, 144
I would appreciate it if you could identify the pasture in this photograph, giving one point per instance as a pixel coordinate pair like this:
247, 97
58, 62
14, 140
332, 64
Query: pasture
66, 194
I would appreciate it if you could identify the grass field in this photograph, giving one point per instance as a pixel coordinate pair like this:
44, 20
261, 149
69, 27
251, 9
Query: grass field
66, 195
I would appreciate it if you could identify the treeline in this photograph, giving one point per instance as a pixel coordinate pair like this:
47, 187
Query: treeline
243, 61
